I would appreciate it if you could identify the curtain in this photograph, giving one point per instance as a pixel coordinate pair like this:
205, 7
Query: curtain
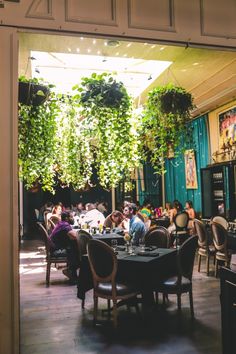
175, 183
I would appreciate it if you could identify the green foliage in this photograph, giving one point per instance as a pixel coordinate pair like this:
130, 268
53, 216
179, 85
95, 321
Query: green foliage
165, 123
106, 111
38, 143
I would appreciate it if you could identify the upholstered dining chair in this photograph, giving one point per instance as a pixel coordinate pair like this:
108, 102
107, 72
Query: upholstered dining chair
159, 237
221, 220
103, 264
56, 257
181, 227
204, 248
181, 282
220, 242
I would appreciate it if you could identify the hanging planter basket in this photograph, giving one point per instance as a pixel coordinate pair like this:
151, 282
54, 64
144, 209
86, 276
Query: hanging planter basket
32, 94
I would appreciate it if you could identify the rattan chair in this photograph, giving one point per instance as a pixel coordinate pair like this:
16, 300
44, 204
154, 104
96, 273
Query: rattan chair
56, 257
204, 249
221, 220
181, 282
159, 237
103, 264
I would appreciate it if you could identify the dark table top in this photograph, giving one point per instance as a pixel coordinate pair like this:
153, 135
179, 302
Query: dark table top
144, 271
162, 221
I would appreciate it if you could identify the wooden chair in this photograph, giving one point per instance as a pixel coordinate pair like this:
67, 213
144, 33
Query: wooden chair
221, 220
181, 282
204, 249
103, 264
220, 242
56, 257
159, 237
181, 227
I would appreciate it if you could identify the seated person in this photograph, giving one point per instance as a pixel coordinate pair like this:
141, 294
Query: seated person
137, 228
115, 219
166, 211
146, 209
191, 213
177, 208
64, 237
93, 217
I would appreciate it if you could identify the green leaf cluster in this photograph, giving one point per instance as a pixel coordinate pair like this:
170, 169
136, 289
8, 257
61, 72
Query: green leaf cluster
164, 124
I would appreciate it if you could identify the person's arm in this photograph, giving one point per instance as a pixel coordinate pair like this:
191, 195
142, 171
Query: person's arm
72, 234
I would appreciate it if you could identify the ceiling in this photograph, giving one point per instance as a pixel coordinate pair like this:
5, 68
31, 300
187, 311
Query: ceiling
210, 75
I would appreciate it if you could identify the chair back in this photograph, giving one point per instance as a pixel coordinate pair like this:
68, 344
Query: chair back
181, 221
46, 239
219, 236
102, 260
55, 219
51, 224
222, 221
36, 213
159, 237
201, 232
82, 241
186, 255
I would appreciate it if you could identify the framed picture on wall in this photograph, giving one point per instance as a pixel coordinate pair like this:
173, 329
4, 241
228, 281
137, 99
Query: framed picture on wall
227, 128
190, 170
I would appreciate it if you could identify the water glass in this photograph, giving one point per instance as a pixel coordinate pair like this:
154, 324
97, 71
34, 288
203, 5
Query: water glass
114, 244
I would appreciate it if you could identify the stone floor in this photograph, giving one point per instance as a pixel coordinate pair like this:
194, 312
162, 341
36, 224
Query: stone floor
53, 322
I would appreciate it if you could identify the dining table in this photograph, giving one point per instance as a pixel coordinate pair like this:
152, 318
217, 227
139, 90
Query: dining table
160, 221
144, 269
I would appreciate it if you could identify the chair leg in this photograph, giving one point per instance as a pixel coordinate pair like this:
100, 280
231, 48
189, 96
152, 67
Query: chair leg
83, 303
199, 263
95, 308
156, 297
115, 313
191, 303
179, 301
207, 264
163, 298
48, 274
216, 268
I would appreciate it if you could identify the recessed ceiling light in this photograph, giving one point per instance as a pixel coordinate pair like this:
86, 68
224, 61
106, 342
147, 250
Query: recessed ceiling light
98, 52
195, 64
145, 43
105, 43
77, 50
125, 55
153, 46
69, 49
128, 45
117, 53
88, 50
162, 48
82, 38
113, 43
94, 41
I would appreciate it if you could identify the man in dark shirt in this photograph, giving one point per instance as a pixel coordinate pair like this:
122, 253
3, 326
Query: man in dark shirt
64, 237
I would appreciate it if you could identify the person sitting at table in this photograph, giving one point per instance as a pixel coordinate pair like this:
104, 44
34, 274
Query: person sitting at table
137, 228
191, 213
93, 217
115, 219
167, 209
146, 209
64, 237
177, 208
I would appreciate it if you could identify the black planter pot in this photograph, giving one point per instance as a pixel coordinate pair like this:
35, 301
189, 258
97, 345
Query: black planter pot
29, 93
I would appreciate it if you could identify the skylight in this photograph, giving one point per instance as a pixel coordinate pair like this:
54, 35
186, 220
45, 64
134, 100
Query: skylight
65, 70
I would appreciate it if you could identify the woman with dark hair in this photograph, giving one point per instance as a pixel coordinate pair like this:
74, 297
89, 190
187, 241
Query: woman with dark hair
190, 210
115, 219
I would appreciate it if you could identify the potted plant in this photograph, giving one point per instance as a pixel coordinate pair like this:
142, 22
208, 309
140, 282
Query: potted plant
32, 91
108, 127
165, 121
38, 143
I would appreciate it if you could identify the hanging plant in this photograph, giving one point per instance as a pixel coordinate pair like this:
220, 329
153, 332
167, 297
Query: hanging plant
75, 157
106, 111
165, 121
32, 91
38, 143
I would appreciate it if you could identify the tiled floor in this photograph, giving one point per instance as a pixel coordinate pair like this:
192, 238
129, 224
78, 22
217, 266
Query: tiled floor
52, 320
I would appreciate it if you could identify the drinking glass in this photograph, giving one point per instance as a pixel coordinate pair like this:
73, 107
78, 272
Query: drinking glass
141, 244
114, 244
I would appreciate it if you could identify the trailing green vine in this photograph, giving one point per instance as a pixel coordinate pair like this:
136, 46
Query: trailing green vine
164, 123
106, 109
38, 143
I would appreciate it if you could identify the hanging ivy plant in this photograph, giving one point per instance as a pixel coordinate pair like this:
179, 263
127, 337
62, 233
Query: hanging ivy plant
38, 142
106, 111
75, 157
165, 121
